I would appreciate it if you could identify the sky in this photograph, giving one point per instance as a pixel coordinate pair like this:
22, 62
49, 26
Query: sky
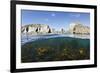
55, 19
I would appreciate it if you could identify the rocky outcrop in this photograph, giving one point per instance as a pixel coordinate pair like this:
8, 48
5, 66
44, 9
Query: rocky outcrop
77, 28
36, 28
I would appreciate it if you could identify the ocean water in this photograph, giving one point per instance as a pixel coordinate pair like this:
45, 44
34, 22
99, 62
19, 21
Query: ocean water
30, 38
55, 48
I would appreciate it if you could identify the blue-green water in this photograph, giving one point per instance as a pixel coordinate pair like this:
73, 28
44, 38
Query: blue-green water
55, 49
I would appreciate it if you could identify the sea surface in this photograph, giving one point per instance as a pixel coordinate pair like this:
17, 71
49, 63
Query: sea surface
29, 38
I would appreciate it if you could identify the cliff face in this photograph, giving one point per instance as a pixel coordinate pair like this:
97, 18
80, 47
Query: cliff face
76, 28
36, 28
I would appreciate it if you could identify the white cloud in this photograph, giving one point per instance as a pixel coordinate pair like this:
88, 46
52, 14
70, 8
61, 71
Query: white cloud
75, 15
53, 14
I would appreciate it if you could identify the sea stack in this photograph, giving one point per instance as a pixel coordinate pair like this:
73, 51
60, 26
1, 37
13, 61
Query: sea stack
36, 29
78, 28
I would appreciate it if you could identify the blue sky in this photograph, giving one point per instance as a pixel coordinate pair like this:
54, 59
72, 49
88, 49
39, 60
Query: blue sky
56, 20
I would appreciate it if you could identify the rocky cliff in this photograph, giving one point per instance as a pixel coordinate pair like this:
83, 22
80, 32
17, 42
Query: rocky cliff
36, 28
77, 28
